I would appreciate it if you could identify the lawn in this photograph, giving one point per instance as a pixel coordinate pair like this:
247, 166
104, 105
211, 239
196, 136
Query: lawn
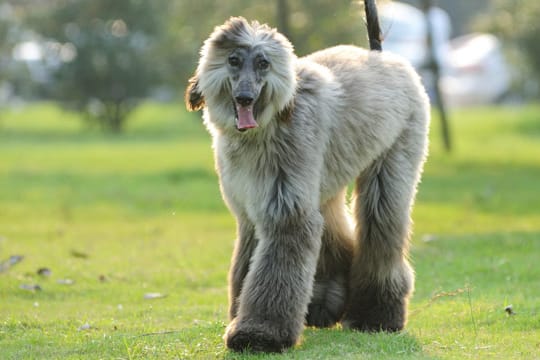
128, 243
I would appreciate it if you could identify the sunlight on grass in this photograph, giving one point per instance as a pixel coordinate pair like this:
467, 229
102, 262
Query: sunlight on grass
124, 216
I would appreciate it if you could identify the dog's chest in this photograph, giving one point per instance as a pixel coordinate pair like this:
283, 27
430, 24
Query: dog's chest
246, 176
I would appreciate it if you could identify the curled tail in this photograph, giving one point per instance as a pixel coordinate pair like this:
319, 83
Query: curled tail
373, 27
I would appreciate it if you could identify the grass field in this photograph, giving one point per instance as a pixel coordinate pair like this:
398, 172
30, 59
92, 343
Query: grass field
116, 218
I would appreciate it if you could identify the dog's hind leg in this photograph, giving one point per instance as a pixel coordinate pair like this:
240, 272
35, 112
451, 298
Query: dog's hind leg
331, 280
381, 277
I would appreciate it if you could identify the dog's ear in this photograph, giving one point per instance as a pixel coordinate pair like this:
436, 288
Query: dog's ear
193, 97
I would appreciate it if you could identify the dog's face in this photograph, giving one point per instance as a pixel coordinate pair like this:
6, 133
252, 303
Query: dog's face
248, 68
245, 75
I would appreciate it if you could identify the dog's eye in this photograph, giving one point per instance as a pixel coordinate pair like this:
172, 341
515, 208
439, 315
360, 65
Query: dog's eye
263, 64
234, 61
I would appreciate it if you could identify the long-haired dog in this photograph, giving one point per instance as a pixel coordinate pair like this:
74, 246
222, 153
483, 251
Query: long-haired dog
289, 134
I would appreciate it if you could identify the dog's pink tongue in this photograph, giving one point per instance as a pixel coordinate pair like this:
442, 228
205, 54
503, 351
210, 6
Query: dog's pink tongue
245, 117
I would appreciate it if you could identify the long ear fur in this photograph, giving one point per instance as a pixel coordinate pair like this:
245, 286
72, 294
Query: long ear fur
193, 97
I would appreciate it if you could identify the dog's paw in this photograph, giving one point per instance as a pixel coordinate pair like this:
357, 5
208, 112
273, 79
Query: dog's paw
380, 305
321, 316
375, 310
327, 303
257, 337
373, 326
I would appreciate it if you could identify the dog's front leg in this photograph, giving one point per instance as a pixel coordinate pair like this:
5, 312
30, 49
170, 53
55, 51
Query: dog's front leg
278, 286
243, 252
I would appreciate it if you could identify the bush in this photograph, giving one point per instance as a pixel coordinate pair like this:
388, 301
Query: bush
105, 51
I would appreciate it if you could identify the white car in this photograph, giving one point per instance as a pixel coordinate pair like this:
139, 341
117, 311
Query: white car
476, 71
473, 69
404, 31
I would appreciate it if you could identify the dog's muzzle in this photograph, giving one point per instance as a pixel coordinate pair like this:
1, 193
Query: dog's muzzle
243, 107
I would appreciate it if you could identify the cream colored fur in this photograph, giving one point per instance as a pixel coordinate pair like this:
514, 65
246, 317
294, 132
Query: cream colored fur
339, 114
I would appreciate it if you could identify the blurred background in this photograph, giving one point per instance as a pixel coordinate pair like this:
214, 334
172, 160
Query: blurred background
101, 58
111, 219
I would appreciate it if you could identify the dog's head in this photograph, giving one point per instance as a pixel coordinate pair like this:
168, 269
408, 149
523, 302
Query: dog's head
245, 75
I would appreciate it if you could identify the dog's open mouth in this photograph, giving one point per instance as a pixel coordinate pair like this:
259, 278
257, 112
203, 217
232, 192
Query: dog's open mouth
244, 117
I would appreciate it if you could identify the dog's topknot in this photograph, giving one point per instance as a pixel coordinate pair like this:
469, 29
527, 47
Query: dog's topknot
239, 32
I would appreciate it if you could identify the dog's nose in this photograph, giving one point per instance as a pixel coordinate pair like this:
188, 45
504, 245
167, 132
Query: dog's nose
244, 100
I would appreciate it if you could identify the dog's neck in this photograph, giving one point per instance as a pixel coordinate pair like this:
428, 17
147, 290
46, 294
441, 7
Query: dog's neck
284, 116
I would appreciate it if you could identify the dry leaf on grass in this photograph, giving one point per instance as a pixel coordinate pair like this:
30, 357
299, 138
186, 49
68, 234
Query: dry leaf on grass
30, 287
65, 281
45, 272
152, 296
510, 310
84, 327
79, 254
11, 261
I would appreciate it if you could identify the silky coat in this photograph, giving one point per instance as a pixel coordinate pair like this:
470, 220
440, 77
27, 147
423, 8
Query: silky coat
289, 135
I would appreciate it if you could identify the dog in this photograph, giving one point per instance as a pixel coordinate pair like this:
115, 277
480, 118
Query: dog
289, 135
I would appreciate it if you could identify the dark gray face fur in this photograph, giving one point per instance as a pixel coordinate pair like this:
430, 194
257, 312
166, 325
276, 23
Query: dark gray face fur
248, 69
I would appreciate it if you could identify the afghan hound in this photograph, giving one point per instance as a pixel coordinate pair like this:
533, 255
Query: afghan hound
289, 135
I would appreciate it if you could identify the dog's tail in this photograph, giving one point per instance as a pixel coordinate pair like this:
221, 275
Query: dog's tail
373, 27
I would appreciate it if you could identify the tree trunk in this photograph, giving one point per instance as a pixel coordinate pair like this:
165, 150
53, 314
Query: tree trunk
115, 117
283, 18
433, 65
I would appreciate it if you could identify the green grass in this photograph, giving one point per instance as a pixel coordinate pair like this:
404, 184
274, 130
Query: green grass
145, 209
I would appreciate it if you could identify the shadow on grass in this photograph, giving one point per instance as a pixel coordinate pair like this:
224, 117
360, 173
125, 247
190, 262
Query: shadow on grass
91, 136
344, 344
46, 123
191, 189
499, 266
491, 188
204, 341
